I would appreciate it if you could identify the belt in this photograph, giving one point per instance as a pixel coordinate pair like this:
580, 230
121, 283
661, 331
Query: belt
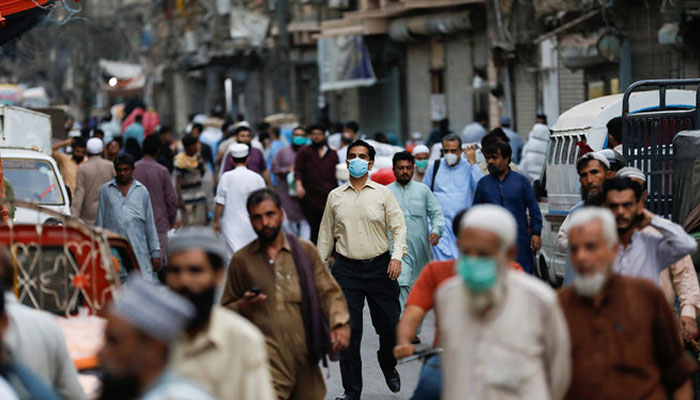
368, 261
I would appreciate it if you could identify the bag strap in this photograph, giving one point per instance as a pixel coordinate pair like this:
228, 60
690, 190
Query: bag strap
436, 166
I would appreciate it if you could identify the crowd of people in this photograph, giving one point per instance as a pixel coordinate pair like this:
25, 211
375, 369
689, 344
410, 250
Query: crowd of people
257, 255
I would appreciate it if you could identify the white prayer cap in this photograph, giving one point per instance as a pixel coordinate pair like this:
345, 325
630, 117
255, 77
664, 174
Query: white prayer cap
154, 310
494, 219
596, 156
632, 173
95, 146
238, 150
420, 149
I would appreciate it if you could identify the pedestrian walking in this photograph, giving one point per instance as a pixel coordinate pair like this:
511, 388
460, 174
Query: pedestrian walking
221, 351
166, 155
189, 174
679, 281
625, 342
156, 179
256, 158
282, 167
35, 339
357, 219
534, 154
473, 132
481, 310
125, 208
351, 132
419, 207
235, 186
453, 180
90, 178
314, 173
516, 142
422, 155
68, 163
142, 324
513, 192
281, 285
135, 131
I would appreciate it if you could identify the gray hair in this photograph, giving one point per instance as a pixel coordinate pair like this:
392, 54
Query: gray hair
587, 215
451, 138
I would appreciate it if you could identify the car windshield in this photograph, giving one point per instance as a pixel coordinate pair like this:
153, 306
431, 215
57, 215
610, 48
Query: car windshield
33, 180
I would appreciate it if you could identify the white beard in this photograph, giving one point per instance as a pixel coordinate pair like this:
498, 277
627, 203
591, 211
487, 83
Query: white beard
480, 301
590, 285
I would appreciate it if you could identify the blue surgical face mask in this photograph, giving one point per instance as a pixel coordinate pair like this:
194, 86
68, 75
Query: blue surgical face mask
421, 165
479, 274
299, 140
358, 167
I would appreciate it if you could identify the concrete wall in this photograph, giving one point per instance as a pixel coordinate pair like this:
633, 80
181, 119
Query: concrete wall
458, 82
525, 99
418, 87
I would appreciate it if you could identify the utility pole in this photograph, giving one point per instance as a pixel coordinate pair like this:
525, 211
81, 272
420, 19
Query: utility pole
282, 83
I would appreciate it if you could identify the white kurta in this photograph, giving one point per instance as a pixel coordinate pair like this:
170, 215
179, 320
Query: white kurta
520, 350
234, 188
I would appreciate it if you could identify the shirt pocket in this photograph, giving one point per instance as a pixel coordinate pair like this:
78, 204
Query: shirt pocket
417, 209
135, 212
374, 211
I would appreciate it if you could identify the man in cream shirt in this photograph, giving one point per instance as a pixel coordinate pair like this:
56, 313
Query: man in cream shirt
357, 217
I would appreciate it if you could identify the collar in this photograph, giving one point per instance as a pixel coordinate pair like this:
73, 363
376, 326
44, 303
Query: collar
504, 178
368, 183
400, 186
258, 247
134, 183
214, 334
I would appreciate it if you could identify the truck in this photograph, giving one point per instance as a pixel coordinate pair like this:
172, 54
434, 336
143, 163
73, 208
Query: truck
652, 113
25, 151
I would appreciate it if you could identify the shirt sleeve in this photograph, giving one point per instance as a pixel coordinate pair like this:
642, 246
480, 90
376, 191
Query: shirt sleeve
674, 242
221, 192
557, 350
170, 198
150, 227
437, 219
329, 292
674, 364
396, 223
533, 207
685, 283
235, 286
325, 233
423, 290
476, 175
299, 166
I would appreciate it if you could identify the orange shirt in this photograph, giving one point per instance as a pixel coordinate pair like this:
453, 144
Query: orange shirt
8, 7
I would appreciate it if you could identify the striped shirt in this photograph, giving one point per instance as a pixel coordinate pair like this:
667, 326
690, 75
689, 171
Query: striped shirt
191, 184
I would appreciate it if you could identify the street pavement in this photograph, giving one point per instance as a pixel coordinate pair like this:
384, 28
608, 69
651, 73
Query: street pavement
374, 386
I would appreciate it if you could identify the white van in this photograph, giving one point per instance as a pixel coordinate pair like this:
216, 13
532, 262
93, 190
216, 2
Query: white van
25, 149
585, 122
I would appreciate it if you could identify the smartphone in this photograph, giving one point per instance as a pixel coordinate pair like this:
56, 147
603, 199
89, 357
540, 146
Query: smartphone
255, 290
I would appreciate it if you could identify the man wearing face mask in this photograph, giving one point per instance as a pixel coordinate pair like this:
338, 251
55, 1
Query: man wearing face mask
357, 219
485, 305
512, 191
221, 350
69, 163
280, 284
350, 134
453, 180
283, 168
422, 155
624, 336
314, 175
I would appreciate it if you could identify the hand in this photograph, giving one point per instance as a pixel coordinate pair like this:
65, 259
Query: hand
301, 192
177, 224
340, 337
155, 263
470, 152
536, 243
394, 269
249, 301
689, 328
217, 227
434, 239
646, 219
404, 350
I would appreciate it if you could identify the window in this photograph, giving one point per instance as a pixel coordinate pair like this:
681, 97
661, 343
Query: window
33, 180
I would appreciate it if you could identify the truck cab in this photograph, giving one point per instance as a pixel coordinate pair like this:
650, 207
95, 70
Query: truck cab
586, 122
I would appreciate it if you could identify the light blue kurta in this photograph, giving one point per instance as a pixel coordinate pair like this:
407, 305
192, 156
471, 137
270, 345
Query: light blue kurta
454, 189
131, 217
418, 204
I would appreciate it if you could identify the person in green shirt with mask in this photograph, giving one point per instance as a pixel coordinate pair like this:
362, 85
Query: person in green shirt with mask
422, 155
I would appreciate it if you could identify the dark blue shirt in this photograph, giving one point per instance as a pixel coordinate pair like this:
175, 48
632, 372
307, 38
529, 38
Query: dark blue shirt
515, 194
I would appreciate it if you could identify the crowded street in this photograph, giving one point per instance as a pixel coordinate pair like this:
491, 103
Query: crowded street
349, 200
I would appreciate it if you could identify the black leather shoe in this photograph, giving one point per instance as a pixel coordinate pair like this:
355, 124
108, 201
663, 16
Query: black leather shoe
393, 380
347, 396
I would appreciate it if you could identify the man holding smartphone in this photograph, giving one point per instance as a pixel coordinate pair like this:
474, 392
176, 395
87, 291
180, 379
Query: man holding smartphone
280, 284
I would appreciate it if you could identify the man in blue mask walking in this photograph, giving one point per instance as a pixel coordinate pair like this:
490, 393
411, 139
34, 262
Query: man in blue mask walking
357, 217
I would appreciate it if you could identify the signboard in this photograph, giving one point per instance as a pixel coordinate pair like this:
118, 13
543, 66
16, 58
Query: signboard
344, 63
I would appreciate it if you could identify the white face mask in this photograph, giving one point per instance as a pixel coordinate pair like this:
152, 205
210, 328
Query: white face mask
451, 159
590, 285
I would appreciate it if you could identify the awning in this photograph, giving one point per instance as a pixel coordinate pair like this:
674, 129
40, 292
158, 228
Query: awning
121, 70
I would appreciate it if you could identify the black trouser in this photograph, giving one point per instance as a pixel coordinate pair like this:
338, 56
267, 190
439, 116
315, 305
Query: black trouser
313, 216
360, 280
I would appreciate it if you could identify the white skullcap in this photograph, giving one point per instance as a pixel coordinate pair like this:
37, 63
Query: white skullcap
596, 156
632, 173
95, 146
494, 219
238, 150
154, 310
243, 123
420, 149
